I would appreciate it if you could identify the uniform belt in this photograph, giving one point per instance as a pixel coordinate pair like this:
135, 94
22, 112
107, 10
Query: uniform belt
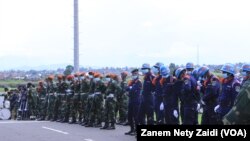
97, 93
42, 98
50, 94
82, 93
60, 94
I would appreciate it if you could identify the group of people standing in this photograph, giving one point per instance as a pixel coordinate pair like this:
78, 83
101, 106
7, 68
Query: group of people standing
157, 97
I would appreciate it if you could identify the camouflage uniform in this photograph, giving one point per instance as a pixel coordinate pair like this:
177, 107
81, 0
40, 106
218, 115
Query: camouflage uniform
63, 116
58, 97
32, 102
42, 105
110, 102
122, 103
89, 106
97, 105
14, 104
51, 89
74, 100
83, 102
240, 114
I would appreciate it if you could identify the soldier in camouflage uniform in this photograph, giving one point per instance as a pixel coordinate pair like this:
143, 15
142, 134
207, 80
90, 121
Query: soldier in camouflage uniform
122, 101
51, 92
97, 106
62, 87
14, 103
75, 99
32, 101
42, 105
84, 89
90, 99
113, 89
58, 97
67, 98
239, 114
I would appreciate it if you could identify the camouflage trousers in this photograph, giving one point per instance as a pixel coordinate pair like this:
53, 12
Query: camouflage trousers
109, 110
64, 109
51, 104
32, 106
89, 106
97, 109
74, 106
83, 107
121, 108
56, 108
42, 107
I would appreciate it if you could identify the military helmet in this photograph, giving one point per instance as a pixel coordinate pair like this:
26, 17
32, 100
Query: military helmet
179, 71
145, 66
246, 68
158, 65
189, 65
228, 68
202, 71
164, 70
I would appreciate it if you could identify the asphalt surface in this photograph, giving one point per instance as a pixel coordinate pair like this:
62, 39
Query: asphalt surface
53, 131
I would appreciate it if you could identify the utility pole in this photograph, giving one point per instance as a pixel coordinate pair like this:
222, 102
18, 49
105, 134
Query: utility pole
76, 37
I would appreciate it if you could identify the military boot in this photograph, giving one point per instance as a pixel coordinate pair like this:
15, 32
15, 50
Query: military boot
112, 127
106, 125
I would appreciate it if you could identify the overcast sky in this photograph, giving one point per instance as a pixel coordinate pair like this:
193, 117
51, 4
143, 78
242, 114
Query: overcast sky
124, 32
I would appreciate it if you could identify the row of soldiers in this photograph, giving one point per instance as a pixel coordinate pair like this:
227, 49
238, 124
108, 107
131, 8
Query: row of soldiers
88, 99
162, 97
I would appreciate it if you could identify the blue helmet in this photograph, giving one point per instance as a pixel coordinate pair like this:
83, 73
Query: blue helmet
178, 72
229, 68
195, 73
158, 65
145, 66
246, 68
164, 70
202, 71
189, 65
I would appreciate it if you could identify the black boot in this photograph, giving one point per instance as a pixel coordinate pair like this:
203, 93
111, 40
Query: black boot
89, 125
126, 124
112, 127
106, 126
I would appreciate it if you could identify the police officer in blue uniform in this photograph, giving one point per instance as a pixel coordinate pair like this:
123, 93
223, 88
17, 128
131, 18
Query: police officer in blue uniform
230, 89
170, 98
134, 90
210, 91
186, 89
146, 109
158, 99
190, 69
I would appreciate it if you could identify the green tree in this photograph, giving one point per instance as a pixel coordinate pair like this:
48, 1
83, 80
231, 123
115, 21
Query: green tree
69, 69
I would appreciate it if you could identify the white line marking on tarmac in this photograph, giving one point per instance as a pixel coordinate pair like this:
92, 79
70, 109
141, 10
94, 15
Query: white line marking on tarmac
12, 122
65, 133
88, 140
